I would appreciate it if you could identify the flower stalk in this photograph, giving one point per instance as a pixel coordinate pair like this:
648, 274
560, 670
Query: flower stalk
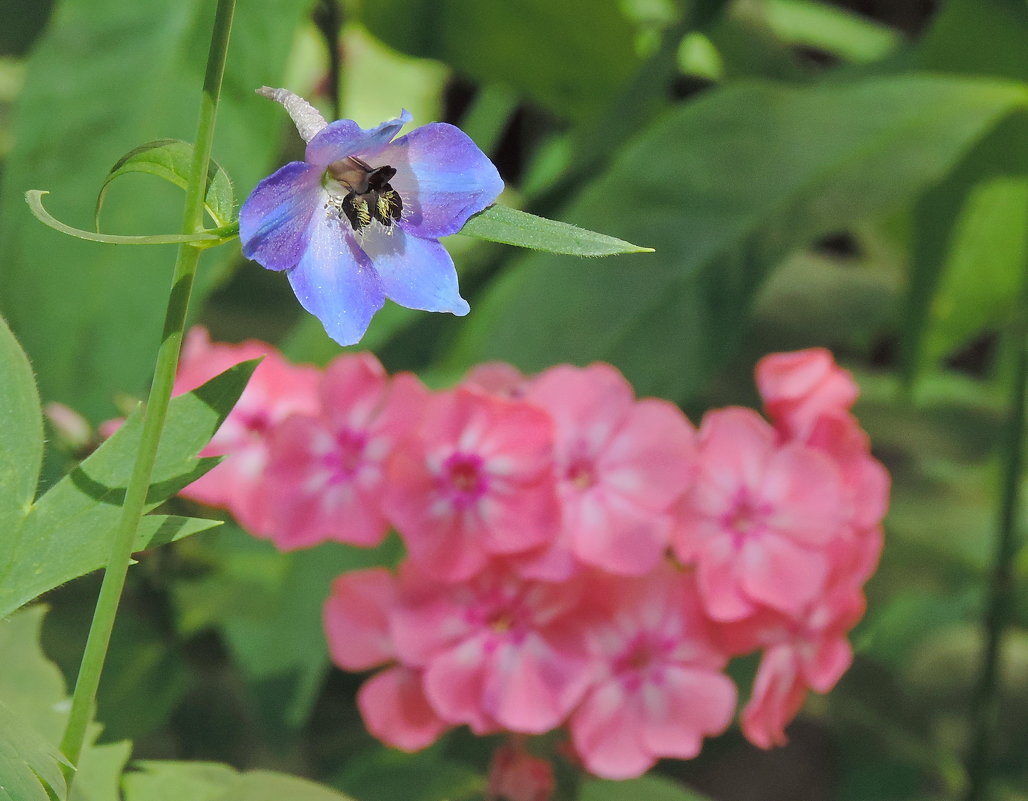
986, 702
156, 408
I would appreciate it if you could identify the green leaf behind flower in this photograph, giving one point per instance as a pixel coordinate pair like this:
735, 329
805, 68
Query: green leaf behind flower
513, 227
724, 188
171, 159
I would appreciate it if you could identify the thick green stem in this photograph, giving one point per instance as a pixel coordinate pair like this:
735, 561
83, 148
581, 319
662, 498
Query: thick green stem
987, 698
156, 405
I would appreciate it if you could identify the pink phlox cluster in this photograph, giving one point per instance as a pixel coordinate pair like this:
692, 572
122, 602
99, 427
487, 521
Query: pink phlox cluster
575, 557
276, 390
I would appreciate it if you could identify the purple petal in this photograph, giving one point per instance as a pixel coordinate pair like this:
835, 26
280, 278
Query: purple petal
344, 138
442, 177
274, 220
336, 282
416, 273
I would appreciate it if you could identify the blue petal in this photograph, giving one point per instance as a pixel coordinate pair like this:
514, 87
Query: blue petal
274, 220
442, 177
336, 282
344, 138
416, 273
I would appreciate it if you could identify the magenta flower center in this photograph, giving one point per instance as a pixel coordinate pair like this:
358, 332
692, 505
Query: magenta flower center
580, 473
346, 459
464, 478
746, 516
257, 423
641, 660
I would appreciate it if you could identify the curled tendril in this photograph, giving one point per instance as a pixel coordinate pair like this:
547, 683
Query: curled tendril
202, 239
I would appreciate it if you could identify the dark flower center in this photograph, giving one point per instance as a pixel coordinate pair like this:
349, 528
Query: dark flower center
370, 196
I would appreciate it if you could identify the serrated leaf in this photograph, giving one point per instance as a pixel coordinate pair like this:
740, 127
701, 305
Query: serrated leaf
30, 767
513, 227
724, 187
171, 159
66, 532
21, 439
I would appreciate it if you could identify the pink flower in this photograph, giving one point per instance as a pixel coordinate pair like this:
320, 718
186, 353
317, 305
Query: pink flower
800, 386
476, 480
276, 390
392, 703
497, 378
661, 690
807, 652
516, 775
497, 651
326, 472
621, 463
757, 517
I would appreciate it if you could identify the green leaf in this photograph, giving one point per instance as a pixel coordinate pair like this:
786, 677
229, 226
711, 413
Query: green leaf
513, 227
31, 685
171, 159
30, 766
21, 439
66, 532
385, 775
176, 781
34, 197
811, 23
724, 188
983, 269
31, 691
645, 788
570, 56
98, 776
105, 76
200, 781
264, 785
955, 218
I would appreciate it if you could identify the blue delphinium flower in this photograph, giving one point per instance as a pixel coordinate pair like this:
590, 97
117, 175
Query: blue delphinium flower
359, 219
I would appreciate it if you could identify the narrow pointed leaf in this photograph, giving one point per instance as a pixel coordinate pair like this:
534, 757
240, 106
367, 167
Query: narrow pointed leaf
513, 227
171, 160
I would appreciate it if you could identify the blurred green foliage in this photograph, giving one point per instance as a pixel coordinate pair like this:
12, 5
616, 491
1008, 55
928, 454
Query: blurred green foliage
848, 174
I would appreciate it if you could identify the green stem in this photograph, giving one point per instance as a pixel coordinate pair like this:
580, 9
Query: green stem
987, 699
156, 406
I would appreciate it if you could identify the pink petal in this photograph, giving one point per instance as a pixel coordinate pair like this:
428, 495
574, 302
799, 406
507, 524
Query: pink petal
356, 619
689, 705
607, 734
777, 572
804, 490
530, 687
395, 710
652, 457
